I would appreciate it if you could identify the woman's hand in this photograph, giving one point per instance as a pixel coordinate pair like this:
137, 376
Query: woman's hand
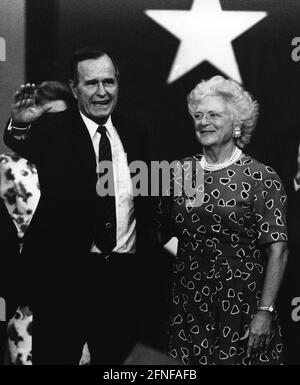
259, 331
260, 325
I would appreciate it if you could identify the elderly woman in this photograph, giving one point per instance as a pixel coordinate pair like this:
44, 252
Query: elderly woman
232, 247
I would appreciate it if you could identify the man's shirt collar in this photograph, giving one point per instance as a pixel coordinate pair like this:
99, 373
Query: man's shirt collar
92, 126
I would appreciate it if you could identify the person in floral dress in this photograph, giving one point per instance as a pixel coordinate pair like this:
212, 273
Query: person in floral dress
232, 248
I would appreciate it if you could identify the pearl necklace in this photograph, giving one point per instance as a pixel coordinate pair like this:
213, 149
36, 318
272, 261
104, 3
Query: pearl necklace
215, 167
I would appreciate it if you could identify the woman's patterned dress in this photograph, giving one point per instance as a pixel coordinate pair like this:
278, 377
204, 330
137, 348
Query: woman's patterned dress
219, 269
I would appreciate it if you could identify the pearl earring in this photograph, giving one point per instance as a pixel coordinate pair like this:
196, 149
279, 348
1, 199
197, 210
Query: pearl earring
236, 132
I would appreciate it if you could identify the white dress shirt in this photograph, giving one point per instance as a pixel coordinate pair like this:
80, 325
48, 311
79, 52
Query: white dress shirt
126, 222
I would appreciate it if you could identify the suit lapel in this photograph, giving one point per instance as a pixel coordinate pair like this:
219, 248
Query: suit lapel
82, 145
129, 137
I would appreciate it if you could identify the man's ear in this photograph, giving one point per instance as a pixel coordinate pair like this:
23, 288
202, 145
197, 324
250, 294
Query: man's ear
73, 88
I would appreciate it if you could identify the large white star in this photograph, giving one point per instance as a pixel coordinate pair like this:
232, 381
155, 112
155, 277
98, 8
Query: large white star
206, 33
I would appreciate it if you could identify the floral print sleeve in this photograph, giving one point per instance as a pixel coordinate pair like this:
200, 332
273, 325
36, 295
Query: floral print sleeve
19, 188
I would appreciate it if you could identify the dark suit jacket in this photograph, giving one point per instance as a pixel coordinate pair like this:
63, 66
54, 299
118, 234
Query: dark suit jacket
61, 231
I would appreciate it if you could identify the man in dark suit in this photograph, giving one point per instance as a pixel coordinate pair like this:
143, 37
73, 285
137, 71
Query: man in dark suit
84, 254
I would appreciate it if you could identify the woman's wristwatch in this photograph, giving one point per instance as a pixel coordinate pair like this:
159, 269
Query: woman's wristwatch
270, 308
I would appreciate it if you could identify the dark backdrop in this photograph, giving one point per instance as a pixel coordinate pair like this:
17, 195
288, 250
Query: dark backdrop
145, 52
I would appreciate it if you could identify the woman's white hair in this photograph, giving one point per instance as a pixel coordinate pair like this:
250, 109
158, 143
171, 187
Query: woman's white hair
241, 103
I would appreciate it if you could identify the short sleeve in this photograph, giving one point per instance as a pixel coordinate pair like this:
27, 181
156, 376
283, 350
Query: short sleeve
270, 205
